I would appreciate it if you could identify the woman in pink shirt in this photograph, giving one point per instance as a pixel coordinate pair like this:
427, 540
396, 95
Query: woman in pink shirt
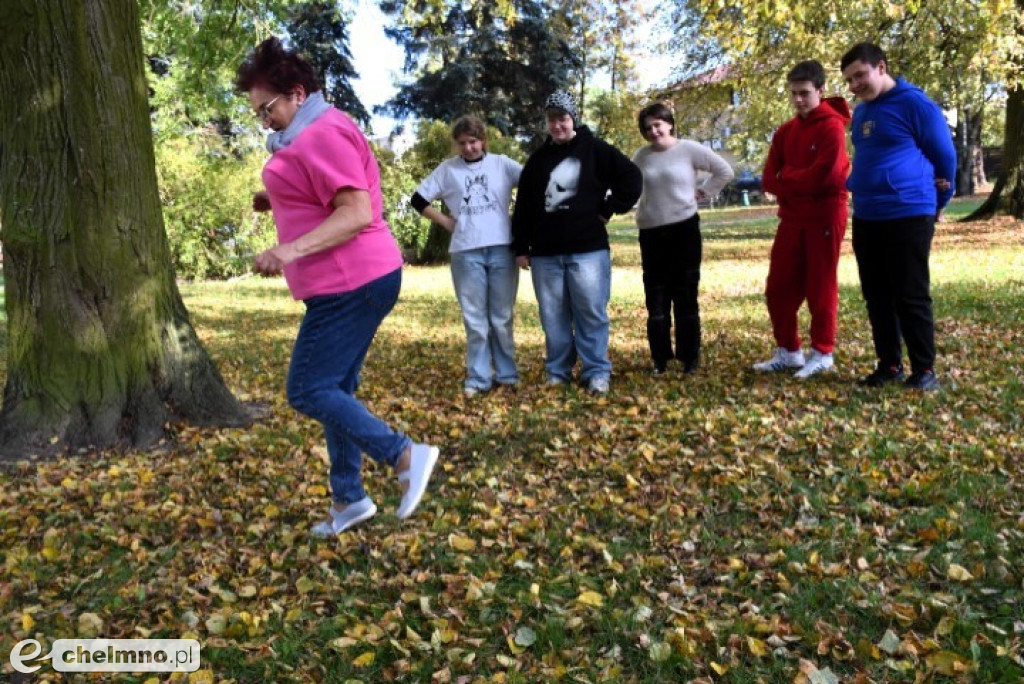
338, 256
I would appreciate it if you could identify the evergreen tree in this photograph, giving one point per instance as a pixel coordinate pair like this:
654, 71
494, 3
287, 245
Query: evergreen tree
497, 60
320, 32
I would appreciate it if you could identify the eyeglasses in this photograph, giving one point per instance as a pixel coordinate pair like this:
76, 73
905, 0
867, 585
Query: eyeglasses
264, 111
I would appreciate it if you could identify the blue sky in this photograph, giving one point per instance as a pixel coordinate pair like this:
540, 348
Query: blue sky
377, 59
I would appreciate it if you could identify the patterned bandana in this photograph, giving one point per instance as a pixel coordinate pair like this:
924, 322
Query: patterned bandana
561, 99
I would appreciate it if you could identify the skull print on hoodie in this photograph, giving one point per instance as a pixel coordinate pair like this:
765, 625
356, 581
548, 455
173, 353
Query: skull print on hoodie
568, 191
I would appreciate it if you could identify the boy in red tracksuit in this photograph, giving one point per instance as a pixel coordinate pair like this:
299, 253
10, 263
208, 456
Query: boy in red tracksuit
806, 170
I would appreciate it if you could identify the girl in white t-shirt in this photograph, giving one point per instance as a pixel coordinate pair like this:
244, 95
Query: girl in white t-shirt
476, 186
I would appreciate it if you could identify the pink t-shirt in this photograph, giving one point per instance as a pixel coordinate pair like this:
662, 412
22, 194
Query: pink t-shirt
302, 179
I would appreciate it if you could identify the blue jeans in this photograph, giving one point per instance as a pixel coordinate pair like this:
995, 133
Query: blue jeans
486, 282
329, 352
572, 294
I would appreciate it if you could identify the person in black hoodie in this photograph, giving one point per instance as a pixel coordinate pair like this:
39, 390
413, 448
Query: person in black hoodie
568, 191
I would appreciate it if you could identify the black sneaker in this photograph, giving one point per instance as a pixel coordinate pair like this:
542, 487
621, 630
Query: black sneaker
691, 367
883, 375
924, 381
660, 370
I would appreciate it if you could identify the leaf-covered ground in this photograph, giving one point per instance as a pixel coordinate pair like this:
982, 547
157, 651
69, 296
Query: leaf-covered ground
720, 527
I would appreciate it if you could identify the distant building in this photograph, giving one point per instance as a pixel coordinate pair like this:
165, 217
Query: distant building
705, 108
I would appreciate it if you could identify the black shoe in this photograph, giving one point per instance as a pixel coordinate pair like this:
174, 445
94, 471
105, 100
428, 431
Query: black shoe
883, 375
925, 381
691, 367
660, 369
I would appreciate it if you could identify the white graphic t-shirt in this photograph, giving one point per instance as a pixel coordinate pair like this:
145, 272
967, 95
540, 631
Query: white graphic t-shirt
477, 194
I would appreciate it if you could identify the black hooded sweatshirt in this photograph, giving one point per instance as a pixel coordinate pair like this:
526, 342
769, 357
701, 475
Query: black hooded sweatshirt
565, 190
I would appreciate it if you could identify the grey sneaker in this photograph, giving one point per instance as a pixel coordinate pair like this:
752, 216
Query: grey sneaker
353, 514
925, 381
598, 385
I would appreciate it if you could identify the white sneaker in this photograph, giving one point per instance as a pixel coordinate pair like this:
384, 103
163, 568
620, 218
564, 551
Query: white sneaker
782, 360
355, 513
816, 363
422, 460
598, 385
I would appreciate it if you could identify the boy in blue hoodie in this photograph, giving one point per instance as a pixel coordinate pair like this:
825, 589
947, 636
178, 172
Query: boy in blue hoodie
903, 162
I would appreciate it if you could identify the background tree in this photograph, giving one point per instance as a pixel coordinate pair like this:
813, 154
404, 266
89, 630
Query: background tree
604, 37
954, 50
612, 114
1007, 197
101, 351
497, 60
320, 32
209, 146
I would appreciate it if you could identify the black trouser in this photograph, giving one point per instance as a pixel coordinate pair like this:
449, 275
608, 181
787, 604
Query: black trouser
892, 257
671, 261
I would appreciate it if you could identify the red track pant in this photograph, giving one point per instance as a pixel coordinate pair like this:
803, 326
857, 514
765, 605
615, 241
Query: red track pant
803, 265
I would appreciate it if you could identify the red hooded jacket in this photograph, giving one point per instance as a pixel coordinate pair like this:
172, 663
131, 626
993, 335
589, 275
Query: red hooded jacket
807, 165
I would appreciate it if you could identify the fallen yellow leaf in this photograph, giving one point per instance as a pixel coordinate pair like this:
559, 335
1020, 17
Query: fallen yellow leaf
461, 543
364, 660
959, 573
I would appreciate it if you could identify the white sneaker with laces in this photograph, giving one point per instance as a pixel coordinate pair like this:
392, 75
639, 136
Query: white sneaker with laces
783, 359
816, 363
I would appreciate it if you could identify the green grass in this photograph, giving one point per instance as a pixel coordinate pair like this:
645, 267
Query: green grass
717, 527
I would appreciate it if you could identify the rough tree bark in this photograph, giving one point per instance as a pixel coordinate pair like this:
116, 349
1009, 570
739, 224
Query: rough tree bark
100, 351
1007, 195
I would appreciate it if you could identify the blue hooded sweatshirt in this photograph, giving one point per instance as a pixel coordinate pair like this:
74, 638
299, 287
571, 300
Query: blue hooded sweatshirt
901, 145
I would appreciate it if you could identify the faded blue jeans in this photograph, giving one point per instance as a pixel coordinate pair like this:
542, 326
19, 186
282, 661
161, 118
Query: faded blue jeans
486, 282
572, 295
334, 337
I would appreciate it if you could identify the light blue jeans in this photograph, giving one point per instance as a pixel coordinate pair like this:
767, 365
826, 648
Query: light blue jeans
572, 294
486, 282
334, 337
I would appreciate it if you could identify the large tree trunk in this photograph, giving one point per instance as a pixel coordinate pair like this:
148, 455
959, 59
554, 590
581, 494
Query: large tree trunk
1008, 194
101, 351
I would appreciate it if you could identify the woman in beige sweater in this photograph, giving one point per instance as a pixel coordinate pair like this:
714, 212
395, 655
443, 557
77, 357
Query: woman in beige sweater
670, 240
